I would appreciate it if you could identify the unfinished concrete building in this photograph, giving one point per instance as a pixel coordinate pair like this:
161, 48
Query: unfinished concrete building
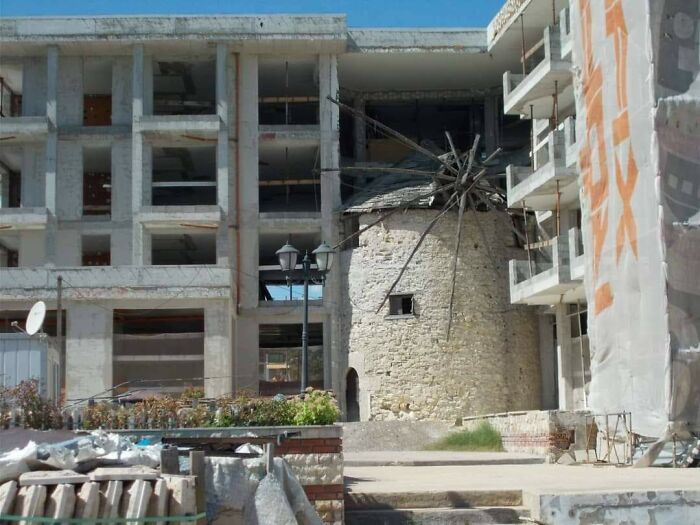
549, 274
156, 164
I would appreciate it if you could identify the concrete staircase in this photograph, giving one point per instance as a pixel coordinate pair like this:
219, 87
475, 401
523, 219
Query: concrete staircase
433, 508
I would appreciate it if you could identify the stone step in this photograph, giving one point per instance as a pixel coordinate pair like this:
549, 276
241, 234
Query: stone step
436, 516
437, 499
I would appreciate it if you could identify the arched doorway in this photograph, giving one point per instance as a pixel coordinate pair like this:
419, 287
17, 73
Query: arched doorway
352, 403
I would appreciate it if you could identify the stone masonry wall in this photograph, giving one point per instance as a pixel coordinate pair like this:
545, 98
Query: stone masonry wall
407, 367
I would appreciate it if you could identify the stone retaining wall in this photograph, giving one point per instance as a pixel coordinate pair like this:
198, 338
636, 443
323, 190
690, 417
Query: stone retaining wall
545, 433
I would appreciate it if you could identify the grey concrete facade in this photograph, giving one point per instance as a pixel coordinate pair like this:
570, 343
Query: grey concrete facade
227, 223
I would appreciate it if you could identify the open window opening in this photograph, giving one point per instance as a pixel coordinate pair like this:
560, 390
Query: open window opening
182, 249
10, 176
288, 91
184, 87
184, 176
96, 250
401, 305
273, 283
97, 92
9, 250
422, 120
11, 90
287, 178
97, 181
280, 358
158, 351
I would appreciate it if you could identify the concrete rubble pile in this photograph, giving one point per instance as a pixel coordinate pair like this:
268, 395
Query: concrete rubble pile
105, 475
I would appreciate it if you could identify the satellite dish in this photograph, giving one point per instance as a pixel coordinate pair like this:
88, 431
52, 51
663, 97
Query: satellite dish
36, 316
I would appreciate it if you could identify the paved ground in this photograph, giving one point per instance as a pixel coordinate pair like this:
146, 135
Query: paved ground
392, 435
418, 458
559, 478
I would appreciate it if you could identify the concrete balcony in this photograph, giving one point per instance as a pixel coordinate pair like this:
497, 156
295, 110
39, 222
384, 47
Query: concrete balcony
576, 260
188, 127
548, 72
198, 216
554, 171
23, 129
546, 279
116, 282
23, 218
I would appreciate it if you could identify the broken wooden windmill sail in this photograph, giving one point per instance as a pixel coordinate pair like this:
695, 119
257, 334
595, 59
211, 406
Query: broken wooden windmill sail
458, 179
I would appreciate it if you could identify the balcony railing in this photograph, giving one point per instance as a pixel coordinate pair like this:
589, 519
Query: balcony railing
545, 72
546, 276
553, 171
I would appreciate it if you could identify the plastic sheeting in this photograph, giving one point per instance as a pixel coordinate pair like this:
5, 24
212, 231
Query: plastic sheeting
638, 129
240, 493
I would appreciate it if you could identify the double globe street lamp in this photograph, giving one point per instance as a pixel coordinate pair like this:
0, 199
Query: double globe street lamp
287, 256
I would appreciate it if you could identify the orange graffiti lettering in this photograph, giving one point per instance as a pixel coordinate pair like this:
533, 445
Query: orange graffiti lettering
627, 226
596, 190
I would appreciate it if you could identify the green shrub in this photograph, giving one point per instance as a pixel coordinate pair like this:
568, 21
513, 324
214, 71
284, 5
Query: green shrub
483, 438
316, 408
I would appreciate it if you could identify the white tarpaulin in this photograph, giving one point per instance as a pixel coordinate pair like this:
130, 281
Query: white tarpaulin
636, 64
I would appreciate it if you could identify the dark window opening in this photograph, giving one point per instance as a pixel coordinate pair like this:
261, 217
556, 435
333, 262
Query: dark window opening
184, 88
280, 358
11, 90
10, 176
288, 91
96, 250
97, 92
184, 176
401, 304
158, 351
183, 249
97, 181
288, 180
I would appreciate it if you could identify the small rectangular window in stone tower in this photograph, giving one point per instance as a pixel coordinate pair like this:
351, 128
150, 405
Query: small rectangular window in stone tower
401, 304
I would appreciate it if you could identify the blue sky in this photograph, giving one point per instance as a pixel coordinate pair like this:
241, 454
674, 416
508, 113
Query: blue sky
361, 13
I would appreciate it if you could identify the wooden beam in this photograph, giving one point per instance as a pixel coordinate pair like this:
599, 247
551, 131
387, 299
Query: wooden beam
289, 182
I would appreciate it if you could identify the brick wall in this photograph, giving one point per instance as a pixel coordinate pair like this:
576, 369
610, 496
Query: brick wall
316, 458
546, 433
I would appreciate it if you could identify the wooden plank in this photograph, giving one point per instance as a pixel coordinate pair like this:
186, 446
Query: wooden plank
289, 182
123, 473
165, 357
288, 99
197, 469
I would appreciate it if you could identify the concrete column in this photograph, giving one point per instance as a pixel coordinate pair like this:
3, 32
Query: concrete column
88, 350
491, 124
222, 154
69, 193
565, 359
246, 332
33, 175
51, 154
4, 188
32, 248
330, 202
218, 349
360, 130
121, 90
246, 359
34, 87
248, 181
548, 359
70, 91
137, 153
122, 230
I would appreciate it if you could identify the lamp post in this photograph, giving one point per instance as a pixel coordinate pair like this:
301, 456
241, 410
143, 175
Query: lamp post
287, 256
